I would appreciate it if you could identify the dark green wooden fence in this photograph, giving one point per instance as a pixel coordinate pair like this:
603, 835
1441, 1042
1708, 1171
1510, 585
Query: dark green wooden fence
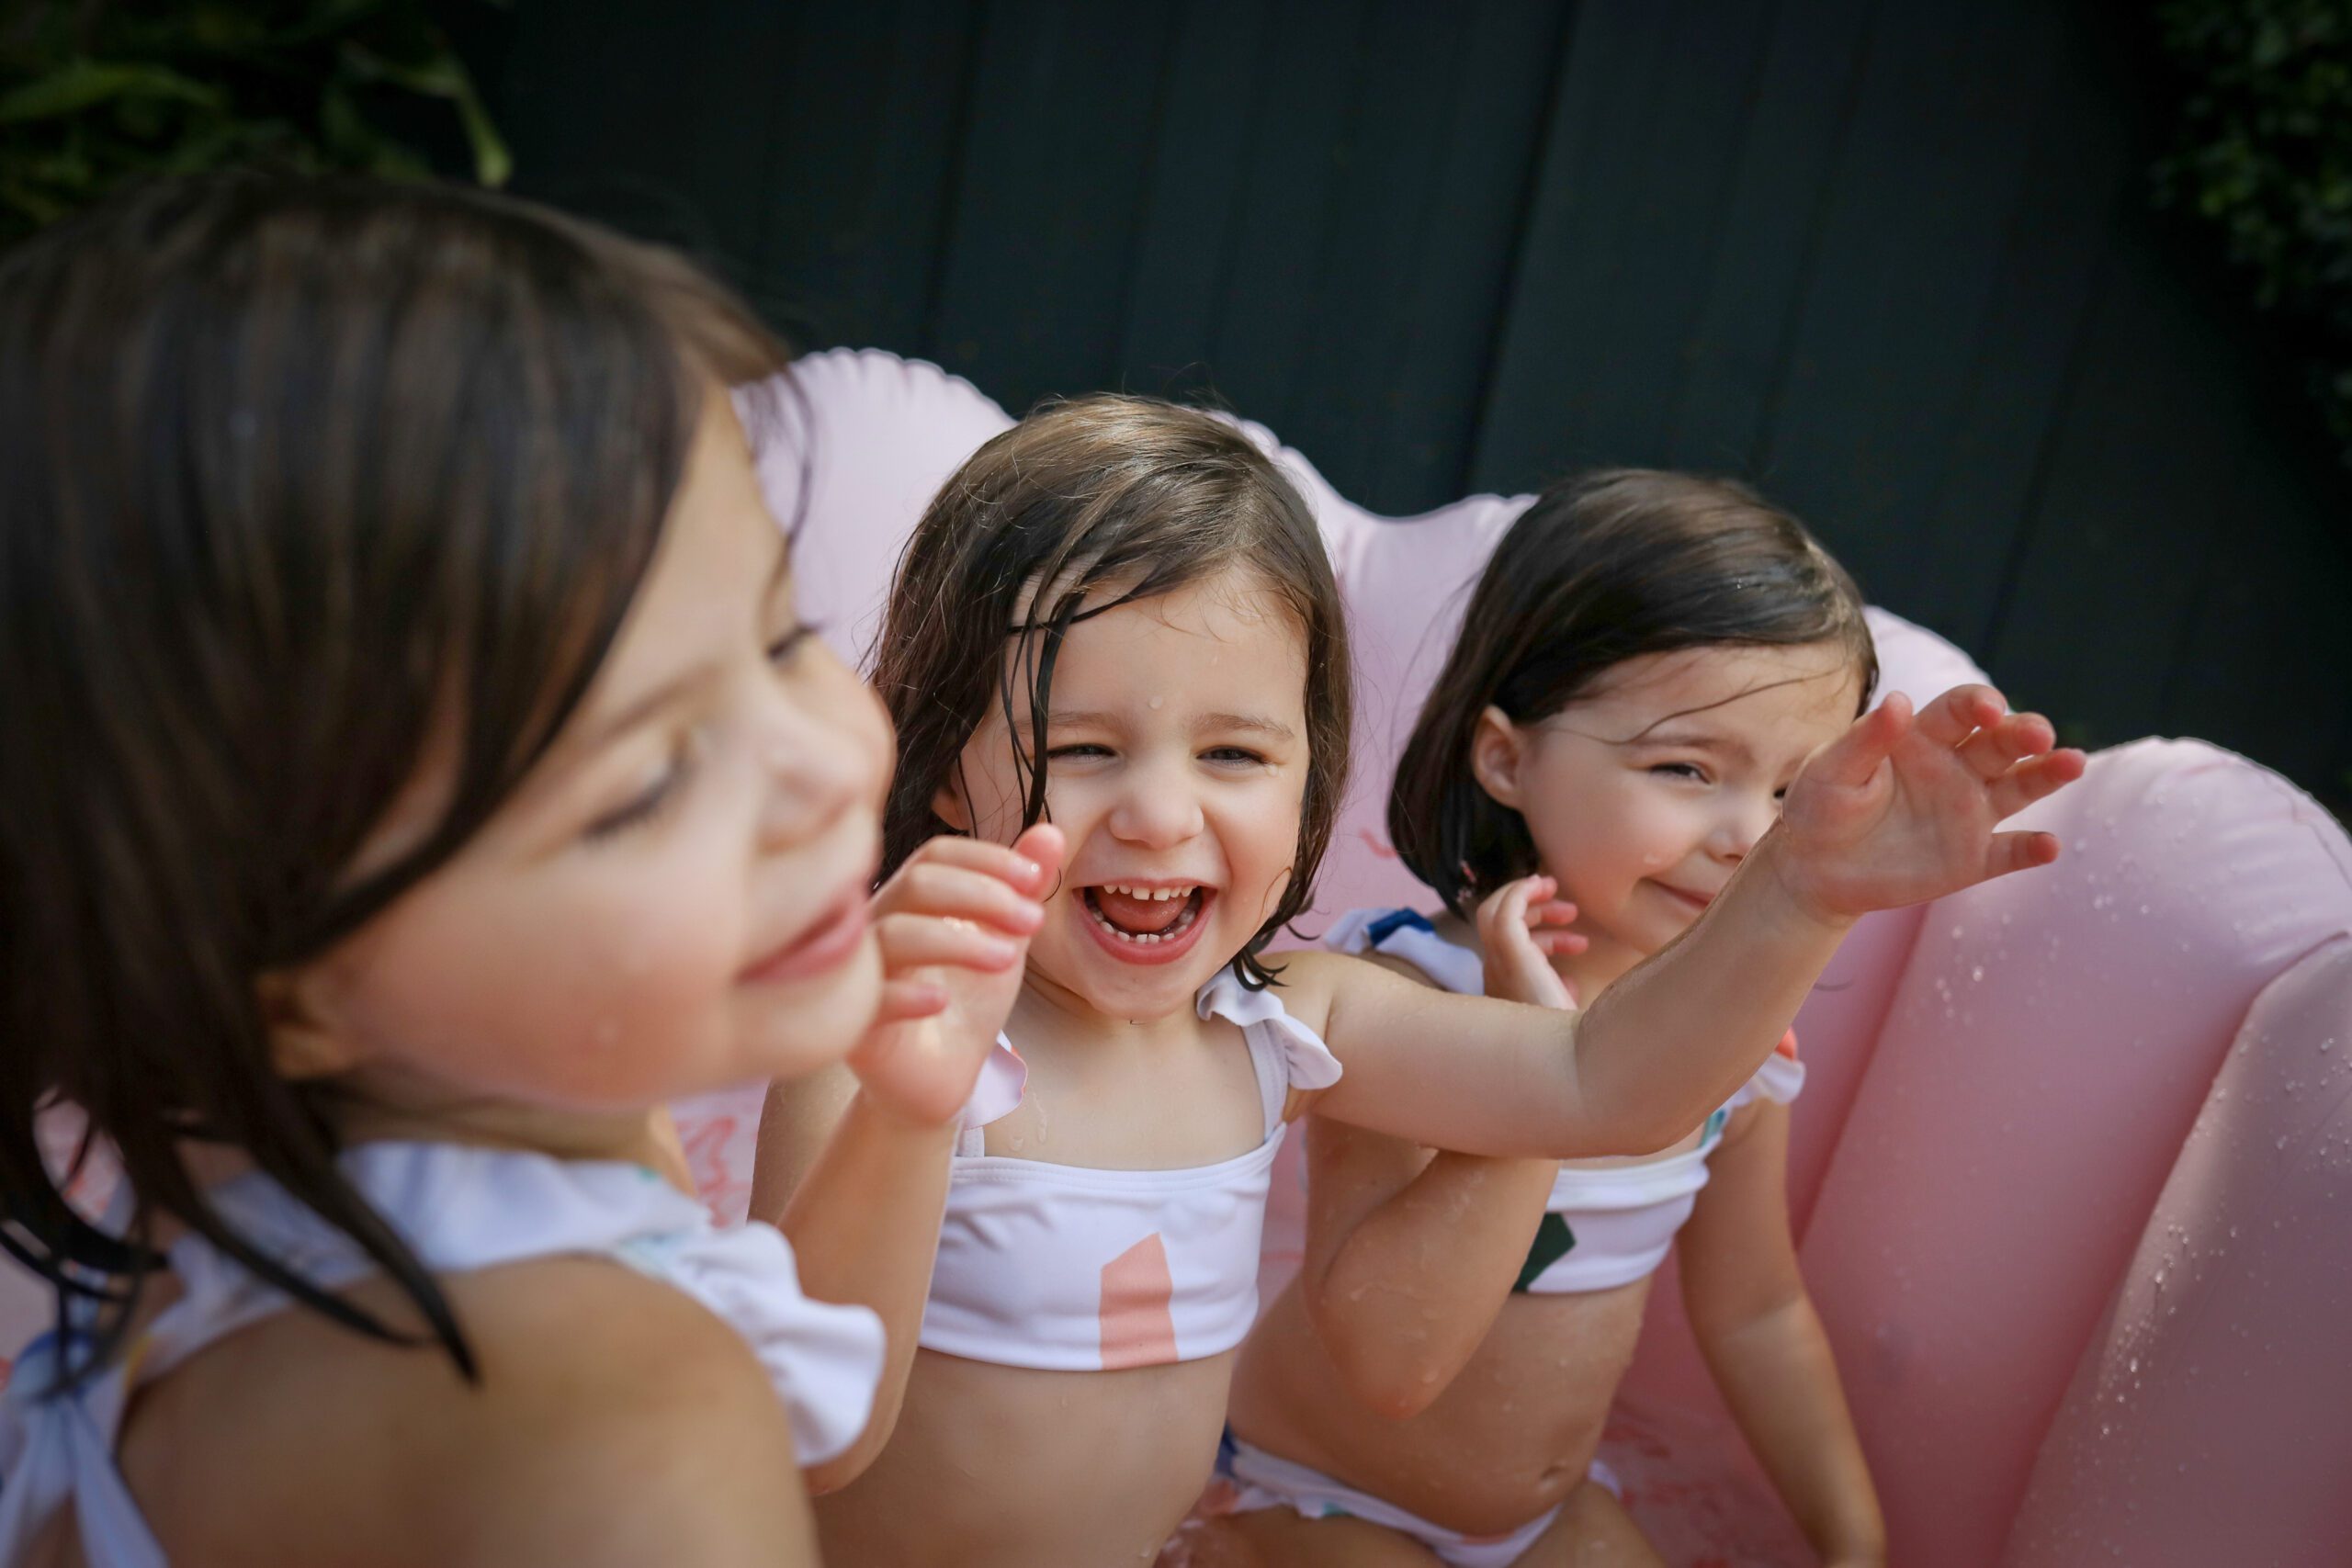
1892, 261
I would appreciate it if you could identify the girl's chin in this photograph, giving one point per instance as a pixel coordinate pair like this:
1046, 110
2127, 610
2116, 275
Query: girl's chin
1130, 991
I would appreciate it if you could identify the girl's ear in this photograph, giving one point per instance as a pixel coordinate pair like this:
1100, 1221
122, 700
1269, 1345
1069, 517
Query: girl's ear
301, 1045
1498, 748
950, 807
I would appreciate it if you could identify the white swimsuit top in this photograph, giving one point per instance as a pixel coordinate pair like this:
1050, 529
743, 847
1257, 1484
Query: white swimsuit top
1071, 1268
459, 1209
1608, 1224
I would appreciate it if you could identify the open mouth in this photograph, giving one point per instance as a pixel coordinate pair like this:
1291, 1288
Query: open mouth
1145, 923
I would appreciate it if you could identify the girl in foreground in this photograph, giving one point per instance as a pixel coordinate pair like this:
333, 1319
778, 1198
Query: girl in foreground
1118, 614
414, 777
1644, 669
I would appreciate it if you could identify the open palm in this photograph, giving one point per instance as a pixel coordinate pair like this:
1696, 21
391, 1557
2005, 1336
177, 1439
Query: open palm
1905, 808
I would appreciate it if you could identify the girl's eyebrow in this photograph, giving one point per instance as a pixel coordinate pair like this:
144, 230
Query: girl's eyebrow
1253, 724
1696, 739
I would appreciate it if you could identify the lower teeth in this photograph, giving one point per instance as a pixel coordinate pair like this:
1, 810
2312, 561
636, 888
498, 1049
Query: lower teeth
1175, 927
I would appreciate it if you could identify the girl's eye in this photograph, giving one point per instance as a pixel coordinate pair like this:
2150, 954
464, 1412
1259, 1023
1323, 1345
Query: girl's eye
781, 651
1234, 754
1081, 749
1691, 770
646, 803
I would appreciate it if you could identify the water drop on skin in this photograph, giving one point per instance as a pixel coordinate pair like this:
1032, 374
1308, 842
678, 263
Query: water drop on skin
1156, 704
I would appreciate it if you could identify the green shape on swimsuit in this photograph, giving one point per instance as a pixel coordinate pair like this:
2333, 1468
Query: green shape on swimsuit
1552, 1240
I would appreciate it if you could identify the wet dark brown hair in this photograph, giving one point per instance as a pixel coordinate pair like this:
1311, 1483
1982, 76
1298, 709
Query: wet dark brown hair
1605, 567
1081, 507
293, 474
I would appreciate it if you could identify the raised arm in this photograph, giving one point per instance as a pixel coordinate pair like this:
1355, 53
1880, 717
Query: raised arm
1896, 811
853, 1163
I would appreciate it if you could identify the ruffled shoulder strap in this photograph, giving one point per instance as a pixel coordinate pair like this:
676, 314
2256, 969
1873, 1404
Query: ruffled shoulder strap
1779, 1081
461, 1209
1285, 1052
1005, 1078
57, 1451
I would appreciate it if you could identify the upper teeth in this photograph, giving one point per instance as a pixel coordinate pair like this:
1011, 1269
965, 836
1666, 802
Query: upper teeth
1156, 895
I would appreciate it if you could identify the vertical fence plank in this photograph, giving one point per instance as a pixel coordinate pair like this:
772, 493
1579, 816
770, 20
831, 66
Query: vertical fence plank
1905, 275
1051, 176
2150, 447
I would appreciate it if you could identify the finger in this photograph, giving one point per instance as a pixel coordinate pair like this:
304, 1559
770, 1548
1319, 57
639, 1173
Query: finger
922, 942
1043, 845
2019, 852
1557, 912
968, 894
1853, 759
1557, 943
903, 1000
1992, 751
1505, 907
2035, 780
1948, 721
1013, 864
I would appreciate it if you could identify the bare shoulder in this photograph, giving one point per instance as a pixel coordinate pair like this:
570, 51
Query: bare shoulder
628, 1425
614, 1421
1312, 977
1317, 982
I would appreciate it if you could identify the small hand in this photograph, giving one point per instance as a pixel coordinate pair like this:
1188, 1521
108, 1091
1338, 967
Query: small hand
1902, 808
954, 924
1519, 929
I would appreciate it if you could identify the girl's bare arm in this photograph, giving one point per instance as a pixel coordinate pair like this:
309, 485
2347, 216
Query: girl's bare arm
1756, 1326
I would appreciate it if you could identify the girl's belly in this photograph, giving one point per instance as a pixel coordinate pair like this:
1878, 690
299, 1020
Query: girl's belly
1510, 1437
1009, 1466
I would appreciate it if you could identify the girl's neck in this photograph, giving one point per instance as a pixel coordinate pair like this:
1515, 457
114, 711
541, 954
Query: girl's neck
1049, 1011
414, 1113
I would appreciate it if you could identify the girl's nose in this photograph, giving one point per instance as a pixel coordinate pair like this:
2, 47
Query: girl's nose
823, 749
1745, 820
1155, 811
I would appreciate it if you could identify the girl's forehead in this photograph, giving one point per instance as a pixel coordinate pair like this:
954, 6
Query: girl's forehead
1204, 644
1745, 685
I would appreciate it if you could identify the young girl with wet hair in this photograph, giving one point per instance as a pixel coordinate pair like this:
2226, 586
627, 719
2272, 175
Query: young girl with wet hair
414, 777
1643, 671
1118, 615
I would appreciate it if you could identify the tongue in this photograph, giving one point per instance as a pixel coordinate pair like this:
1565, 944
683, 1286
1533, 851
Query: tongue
1140, 917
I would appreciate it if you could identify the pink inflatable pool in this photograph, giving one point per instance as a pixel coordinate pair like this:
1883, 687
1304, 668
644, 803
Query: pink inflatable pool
2073, 1173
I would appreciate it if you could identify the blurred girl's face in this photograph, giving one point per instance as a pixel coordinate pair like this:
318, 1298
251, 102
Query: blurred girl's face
674, 900
1644, 796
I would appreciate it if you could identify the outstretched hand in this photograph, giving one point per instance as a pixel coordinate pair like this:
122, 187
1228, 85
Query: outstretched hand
1903, 806
954, 924
1521, 929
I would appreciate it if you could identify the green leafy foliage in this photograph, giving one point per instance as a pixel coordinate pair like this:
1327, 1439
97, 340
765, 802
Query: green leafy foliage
92, 94
2264, 153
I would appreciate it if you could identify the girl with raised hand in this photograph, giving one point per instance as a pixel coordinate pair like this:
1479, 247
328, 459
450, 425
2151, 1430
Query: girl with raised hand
1119, 615
1643, 671
415, 775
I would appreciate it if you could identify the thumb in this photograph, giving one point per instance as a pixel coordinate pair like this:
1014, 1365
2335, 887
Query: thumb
1853, 759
